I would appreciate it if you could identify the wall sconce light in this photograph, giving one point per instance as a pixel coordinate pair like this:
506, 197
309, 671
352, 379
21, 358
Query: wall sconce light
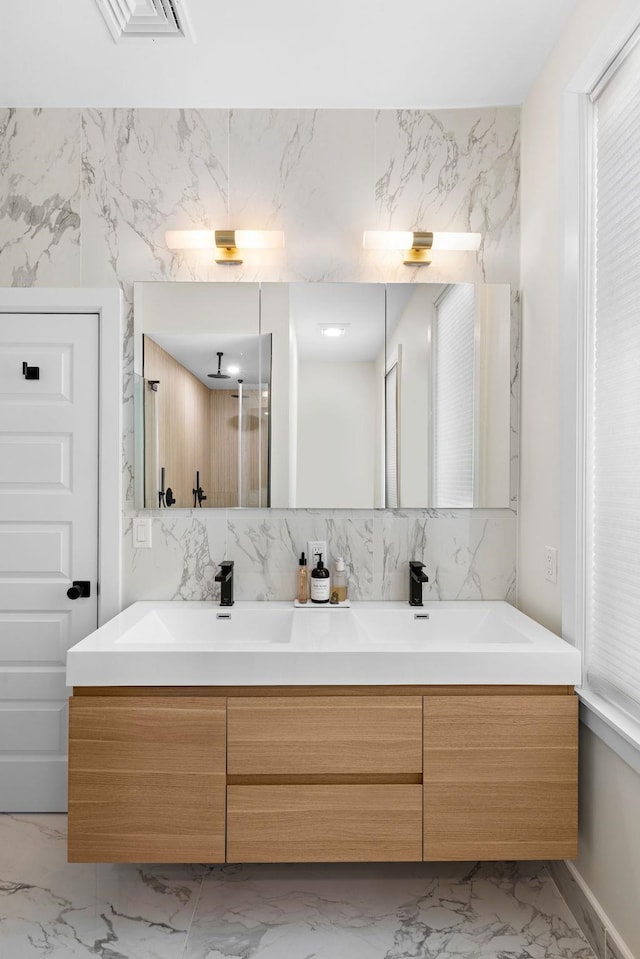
227, 244
419, 246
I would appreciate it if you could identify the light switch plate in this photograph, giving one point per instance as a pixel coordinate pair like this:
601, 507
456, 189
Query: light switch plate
142, 533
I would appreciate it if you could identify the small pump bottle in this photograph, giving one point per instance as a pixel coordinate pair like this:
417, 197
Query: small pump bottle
303, 580
320, 583
339, 580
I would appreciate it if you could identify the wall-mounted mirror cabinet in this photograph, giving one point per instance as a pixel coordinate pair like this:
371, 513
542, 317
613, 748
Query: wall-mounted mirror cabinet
322, 395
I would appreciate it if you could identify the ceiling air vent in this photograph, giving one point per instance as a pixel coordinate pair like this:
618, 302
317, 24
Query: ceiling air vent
148, 19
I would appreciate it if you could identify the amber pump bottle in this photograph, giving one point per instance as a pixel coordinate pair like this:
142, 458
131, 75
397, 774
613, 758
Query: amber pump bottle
303, 580
320, 582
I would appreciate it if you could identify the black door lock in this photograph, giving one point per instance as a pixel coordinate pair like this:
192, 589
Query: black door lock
80, 589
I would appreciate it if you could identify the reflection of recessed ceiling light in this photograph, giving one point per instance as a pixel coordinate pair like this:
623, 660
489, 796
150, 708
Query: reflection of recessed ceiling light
233, 369
265, 394
332, 330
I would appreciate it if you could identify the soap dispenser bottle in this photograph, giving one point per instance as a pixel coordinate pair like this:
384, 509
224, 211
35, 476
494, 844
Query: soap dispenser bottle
303, 580
320, 582
339, 581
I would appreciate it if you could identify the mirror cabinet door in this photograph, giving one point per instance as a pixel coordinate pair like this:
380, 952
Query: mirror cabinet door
205, 385
322, 395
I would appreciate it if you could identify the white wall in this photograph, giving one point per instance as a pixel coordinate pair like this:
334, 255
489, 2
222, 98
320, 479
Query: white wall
609, 850
337, 434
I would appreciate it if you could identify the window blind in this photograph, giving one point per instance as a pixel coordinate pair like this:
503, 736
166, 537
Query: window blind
613, 447
454, 389
391, 438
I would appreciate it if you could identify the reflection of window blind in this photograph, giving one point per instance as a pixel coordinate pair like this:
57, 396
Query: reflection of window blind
613, 499
391, 438
454, 388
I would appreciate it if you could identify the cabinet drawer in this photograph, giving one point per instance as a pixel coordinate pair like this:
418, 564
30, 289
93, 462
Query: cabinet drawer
324, 823
325, 735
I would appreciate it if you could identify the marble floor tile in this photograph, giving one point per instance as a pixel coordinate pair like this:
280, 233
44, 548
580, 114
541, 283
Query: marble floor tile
51, 908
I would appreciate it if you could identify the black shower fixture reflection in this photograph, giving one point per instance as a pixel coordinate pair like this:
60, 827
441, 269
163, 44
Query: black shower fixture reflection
219, 375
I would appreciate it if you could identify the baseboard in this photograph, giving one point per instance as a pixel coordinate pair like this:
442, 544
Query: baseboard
602, 935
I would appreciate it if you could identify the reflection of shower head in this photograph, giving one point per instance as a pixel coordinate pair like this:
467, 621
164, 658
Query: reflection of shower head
236, 396
219, 375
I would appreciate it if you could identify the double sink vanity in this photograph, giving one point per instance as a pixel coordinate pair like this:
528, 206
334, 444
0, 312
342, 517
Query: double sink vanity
267, 733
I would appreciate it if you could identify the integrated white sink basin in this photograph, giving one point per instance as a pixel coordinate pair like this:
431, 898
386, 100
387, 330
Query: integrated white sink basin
206, 625
261, 644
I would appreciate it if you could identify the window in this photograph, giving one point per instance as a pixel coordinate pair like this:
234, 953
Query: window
454, 399
612, 393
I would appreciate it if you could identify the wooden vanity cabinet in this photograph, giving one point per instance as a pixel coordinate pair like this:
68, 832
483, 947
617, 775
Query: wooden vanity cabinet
147, 779
322, 774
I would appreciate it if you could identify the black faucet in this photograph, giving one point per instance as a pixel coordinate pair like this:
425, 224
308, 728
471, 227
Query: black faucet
416, 579
225, 578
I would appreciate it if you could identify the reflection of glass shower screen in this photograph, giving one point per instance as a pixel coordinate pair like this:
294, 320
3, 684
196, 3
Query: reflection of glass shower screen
391, 438
454, 388
254, 407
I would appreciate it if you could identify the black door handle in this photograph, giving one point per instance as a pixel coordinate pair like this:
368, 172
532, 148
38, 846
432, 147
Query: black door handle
80, 589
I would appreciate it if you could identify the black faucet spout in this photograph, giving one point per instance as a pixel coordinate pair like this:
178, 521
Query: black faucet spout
225, 578
416, 578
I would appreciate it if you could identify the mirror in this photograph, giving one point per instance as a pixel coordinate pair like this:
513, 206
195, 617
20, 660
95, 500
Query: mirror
339, 395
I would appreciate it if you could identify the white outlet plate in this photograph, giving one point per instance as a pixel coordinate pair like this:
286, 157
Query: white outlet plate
314, 548
551, 564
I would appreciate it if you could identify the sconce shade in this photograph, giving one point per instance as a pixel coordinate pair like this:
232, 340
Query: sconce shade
417, 245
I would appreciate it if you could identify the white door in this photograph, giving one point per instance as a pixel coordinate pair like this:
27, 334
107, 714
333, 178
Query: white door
48, 540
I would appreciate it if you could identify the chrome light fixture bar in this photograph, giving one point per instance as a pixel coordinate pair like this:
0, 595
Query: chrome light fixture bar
418, 246
226, 244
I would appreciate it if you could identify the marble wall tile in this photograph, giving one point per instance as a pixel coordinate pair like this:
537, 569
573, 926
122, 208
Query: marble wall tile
266, 547
453, 170
469, 554
40, 197
310, 173
144, 172
187, 548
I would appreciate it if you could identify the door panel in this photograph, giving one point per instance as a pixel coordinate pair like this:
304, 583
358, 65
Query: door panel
48, 538
38, 462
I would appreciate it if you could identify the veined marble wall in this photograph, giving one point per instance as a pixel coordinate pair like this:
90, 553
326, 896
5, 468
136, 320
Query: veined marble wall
86, 197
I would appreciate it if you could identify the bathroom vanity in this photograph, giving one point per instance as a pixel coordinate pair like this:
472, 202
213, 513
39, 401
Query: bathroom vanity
281, 735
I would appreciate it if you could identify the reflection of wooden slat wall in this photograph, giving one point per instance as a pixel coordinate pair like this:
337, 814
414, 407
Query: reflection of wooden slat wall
183, 410
224, 448
252, 450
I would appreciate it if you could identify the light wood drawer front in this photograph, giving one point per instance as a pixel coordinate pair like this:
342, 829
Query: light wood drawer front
324, 823
147, 780
500, 777
316, 735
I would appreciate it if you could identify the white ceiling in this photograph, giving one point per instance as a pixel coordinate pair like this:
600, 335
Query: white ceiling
284, 53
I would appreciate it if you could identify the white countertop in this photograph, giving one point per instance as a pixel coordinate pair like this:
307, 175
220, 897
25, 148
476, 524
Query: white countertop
264, 644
